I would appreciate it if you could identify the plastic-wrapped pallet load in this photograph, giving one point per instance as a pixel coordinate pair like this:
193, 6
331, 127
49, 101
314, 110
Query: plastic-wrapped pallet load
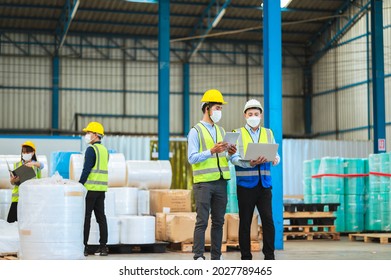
316, 190
232, 204
117, 169
354, 194
125, 200
9, 160
307, 191
9, 238
143, 202
51, 219
377, 197
149, 174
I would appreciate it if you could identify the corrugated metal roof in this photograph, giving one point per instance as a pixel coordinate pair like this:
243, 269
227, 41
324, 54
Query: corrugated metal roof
302, 20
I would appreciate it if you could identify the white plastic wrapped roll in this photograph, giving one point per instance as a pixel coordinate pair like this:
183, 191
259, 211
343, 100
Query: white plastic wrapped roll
143, 203
113, 228
125, 200
5, 202
149, 174
137, 230
110, 204
51, 219
117, 169
11, 159
9, 237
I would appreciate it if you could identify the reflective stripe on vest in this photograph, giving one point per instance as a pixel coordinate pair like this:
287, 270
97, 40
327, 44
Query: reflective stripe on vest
15, 190
99, 176
217, 165
249, 177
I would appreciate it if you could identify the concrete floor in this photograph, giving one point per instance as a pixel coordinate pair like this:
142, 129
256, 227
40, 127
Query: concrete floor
319, 249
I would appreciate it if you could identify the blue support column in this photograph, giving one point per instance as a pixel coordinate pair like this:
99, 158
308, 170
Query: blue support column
186, 98
379, 127
272, 50
164, 80
55, 92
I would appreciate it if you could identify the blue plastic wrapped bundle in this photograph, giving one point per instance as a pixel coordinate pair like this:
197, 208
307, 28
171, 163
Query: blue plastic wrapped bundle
354, 185
232, 204
377, 214
59, 161
379, 163
307, 164
315, 182
354, 213
340, 213
332, 184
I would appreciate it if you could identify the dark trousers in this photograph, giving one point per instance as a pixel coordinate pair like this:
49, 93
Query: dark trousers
13, 213
210, 197
95, 201
248, 198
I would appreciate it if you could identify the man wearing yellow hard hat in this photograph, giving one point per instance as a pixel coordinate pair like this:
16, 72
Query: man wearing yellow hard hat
207, 155
94, 177
254, 182
28, 158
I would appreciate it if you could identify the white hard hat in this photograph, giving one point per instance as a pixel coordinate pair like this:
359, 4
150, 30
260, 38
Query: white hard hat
252, 103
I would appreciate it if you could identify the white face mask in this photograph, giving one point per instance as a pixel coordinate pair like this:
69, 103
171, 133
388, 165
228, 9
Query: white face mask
27, 157
253, 121
216, 116
87, 138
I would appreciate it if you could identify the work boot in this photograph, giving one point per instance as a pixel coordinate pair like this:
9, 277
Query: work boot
85, 251
102, 251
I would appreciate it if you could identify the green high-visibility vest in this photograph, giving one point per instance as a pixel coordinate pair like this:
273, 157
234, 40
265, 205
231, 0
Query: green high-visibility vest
15, 190
99, 176
214, 167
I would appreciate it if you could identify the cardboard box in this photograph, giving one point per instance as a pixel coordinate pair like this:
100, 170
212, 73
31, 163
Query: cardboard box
207, 232
175, 227
232, 221
175, 200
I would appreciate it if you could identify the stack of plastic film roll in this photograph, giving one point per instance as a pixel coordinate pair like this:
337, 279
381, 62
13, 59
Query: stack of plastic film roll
59, 162
377, 198
316, 183
232, 205
116, 169
307, 191
51, 219
333, 187
5, 202
7, 161
354, 194
149, 174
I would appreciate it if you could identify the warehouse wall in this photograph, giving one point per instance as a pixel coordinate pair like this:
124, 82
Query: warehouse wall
342, 103
115, 81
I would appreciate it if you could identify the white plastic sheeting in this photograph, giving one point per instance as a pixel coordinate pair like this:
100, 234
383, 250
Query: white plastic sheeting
51, 219
143, 203
11, 159
9, 237
137, 230
117, 169
296, 151
149, 174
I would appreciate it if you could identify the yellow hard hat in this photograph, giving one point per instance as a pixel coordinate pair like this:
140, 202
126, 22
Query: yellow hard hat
213, 95
29, 144
94, 127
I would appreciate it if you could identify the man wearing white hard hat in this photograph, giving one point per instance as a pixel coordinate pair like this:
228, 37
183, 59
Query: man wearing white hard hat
254, 182
207, 154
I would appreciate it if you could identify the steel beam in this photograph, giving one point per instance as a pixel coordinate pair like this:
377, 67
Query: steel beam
67, 14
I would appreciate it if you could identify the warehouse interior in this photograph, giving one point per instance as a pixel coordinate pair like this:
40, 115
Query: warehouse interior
321, 70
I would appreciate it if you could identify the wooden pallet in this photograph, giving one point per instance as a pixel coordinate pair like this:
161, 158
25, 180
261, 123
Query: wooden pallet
308, 228
157, 247
8, 256
188, 247
311, 235
383, 238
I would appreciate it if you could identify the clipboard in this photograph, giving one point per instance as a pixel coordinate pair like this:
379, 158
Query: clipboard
255, 150
231, 137
24, 173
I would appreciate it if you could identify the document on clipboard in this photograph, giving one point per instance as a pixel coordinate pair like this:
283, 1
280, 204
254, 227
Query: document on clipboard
231, 137
255, 150
24, 173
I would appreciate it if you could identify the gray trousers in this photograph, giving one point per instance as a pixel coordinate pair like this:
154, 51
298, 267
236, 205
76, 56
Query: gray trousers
210, 197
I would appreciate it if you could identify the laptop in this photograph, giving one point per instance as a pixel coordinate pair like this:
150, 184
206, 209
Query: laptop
255, 150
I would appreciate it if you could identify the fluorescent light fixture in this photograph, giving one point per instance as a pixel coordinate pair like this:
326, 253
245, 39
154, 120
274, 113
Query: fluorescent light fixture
144, 1
284, 3
218, 18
